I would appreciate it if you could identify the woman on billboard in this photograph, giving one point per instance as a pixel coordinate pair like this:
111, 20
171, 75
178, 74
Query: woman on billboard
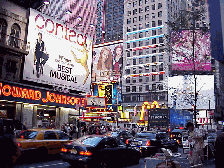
117, 61
105, 62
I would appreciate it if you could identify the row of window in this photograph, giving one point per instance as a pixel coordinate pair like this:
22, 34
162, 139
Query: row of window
145, 88
147, 42
139, 2
147, 17
146, 79
135, 11
147, 25
145, 69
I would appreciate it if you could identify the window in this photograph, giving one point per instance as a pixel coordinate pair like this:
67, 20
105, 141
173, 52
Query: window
146, 87
140, 10
140, 61
146, 68
147, 43
135, 11
160, 14
147, 79
14, 35
127, 88
154, 41
134, 71
153, 32
128, 45
141, 35
128, 29
140, 18
141, 51
134, 3
152, 0
147, 17
128, 62
133, 88
62, 135
134, 53
127, 80
140, 2
153, 58
3, 28
160, 31
50, 135
160, 39
134, 28
147, 25
146, 8
128, 54
129, 21
134, 44
160, 22
153, 77
161, 58
153, 7
134, 61
160, 86
154, 87
159, 5
153, 51
140, 78
147, 60
140, 70
153, 24
134, 19
128, 71
129, 13
134, 79
146, 1
140, 88
161, 77
154, 69
153, 16
140, 26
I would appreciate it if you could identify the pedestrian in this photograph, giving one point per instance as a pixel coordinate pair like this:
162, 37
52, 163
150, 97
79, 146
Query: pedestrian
71, 131
196, 155
219, 148
63, 128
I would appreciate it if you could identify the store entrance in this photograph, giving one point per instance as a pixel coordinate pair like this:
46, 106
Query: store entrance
45, 116
7, 109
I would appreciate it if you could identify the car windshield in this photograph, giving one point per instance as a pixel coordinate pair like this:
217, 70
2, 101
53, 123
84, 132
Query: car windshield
114, 134
27, 135
146, 135
91, 141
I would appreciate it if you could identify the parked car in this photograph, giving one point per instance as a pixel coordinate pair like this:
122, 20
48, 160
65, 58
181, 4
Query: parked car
42, 141
99, 151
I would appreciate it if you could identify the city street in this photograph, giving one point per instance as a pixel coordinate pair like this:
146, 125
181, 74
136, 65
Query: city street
144, 163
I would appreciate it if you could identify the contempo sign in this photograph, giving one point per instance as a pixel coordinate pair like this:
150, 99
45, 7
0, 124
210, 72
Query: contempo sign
58, 55
31, 95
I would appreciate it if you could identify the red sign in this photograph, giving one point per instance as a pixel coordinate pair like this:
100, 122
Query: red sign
211, 113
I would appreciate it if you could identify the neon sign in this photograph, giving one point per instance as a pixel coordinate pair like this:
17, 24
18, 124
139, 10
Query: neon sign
30, 94
146, 105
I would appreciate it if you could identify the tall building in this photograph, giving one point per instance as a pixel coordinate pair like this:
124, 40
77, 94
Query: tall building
145, 66
78, 14
109, 20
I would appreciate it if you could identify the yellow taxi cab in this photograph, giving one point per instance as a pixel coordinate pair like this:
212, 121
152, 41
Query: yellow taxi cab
45, 141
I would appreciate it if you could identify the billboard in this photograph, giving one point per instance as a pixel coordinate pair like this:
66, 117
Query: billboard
182, 51
107, 62
58, 55
181, 91
95, 102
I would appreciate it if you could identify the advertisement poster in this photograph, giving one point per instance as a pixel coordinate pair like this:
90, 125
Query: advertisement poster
181, 92
182, 51
58, 55
107, 63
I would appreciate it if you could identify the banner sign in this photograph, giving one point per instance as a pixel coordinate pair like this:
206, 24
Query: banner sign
95, 102
58, 55
32, 95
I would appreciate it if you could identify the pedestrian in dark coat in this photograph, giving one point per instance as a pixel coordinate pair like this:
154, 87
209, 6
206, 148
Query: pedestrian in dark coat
219, 148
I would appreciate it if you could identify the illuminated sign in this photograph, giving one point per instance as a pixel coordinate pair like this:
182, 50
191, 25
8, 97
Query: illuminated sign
95, 102
12, 92
58, 55
146, 105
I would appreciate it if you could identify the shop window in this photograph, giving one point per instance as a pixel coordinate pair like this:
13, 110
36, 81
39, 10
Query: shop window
3, 28
133, 88
127, 88
14, 37
50, 135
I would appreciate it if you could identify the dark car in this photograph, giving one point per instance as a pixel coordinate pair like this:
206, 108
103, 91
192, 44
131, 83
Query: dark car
123, 135
99, 151
177, 135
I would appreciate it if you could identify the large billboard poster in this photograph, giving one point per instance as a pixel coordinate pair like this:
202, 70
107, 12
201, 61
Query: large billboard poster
107, 63
182, 51
58, 55
181, 91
